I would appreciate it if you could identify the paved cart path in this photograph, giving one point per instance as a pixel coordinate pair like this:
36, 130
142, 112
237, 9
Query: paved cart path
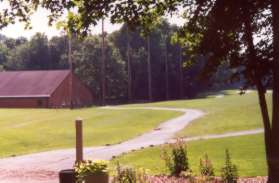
43, 167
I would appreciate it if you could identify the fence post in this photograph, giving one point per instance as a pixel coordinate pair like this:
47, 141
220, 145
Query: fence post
79, 145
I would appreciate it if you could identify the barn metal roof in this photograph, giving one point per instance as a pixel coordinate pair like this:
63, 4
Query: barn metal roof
24, 84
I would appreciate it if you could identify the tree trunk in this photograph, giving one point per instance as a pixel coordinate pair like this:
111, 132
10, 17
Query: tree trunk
103, 85
274, 169
150, 97
129, 66
254, 74
274, 157
166, 71
266, 124
181, 91
71, 70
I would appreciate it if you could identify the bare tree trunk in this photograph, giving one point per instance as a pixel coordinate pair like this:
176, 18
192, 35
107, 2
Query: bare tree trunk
167, 70
70, 61
274, 157
275, 95
129, 66
274, 169
103, 87
150, 97
181, 90
266, 124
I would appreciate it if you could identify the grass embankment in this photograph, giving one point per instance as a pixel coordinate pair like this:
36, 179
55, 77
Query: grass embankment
247, 153
32, 130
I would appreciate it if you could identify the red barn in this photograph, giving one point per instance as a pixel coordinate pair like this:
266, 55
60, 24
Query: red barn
43, 89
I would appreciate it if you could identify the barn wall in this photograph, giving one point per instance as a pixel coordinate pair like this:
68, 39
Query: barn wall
82, 96
61, 96
23, 102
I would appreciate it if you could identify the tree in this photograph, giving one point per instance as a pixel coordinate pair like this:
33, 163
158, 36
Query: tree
137, 54
130, 95
273, 165
3, 55
57, 52
124, 12
149, 70
224, 31
38, 52
181, 91
33, 54
103, 68
18, 59
88, 66
165, 37
166, 69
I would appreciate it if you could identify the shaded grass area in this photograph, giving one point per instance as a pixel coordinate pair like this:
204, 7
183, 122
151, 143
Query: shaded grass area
233, 112
33, 130
247, 153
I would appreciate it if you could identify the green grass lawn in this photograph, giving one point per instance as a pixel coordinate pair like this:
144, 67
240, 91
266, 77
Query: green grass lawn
33, 130
247, 153
233, 112
230, 113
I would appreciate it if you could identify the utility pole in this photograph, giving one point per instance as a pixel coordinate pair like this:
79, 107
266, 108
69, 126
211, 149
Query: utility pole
103, 66
129, 65
150, 97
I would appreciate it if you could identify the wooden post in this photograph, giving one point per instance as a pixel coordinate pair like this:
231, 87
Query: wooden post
79, 146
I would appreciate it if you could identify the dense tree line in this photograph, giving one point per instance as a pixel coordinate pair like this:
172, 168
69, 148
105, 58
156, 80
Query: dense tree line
169, 78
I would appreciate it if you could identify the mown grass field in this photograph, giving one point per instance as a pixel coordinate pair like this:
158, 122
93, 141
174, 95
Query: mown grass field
230, 113
32, 130
247, 153
233, 112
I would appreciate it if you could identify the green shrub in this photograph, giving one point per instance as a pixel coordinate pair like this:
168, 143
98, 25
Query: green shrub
229, 171
177, 160
206, 167
88, 167
125, 174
